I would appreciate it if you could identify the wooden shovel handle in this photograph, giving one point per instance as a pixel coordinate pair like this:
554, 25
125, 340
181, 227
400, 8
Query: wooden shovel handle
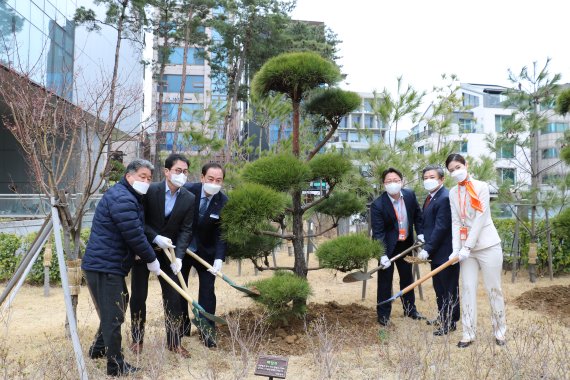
203, 262
176, 287
403, 253
430, 274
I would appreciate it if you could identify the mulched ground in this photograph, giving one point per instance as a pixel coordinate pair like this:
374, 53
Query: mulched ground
553, 301
351, 322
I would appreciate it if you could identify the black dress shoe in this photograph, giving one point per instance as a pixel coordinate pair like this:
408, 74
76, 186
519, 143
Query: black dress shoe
121, 370
500, 342
416, 316
97, 354
462, 344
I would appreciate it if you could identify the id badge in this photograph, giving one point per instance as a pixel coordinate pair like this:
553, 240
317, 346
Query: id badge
402, 234
463, 233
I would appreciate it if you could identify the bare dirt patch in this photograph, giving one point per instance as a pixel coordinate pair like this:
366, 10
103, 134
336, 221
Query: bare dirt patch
292, 339
553, 301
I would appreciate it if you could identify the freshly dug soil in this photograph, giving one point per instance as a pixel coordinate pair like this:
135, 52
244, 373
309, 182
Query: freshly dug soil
352, 321
553, 301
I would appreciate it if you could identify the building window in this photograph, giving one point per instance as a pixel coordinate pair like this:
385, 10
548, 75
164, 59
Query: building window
554, 128
461, 146
500, 121
172, 83
421, 149
551, 179
550, 153
353, 137
368, 121
367, 103
190, 111
466, 126
506, 174
356, 121
470, 100
343, 136
195, 56
506, 150
343, 122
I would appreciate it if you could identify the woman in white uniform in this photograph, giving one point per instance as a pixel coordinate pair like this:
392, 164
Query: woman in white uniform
478, 246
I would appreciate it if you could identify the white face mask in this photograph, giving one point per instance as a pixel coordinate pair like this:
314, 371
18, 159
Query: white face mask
178, 179
459, 175
141, 187
393, 188
431, 184
211, 188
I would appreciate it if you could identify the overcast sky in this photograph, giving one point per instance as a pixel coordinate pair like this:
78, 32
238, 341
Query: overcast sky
477, 40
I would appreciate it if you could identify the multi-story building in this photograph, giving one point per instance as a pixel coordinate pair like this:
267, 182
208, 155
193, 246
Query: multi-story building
40, 41
359, 128
480, 120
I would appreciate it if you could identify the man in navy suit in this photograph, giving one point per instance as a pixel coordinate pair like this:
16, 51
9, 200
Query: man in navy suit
394, 214
438, 246
206, 242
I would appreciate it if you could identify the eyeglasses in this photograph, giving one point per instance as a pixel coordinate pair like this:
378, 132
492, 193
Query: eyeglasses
178, 171
393, 181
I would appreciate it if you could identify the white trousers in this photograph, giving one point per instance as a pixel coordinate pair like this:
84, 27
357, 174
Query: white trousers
490, 261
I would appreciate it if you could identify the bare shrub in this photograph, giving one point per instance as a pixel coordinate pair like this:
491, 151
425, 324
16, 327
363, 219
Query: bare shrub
326, 343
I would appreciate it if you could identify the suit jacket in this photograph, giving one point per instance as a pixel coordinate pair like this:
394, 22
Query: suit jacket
208, 230
385, 224
437, 227
178, 227
481, 230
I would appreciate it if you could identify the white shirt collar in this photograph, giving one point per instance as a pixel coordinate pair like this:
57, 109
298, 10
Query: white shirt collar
395, 200
167, 190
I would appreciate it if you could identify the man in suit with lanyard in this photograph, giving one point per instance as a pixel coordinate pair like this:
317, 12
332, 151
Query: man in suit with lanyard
169, 214
394, 214
206, 242
438, 246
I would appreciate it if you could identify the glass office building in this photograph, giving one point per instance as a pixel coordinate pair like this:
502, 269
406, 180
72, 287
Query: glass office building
37, 40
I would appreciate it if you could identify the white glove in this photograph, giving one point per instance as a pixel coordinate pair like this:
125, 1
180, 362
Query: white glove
423, 255
176, 266
163, 242
421, 238
154, 267
216, 267
385, 261
463, 253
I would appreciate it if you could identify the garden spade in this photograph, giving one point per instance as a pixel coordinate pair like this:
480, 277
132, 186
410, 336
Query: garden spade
253, 292
363, 276
420, 280
197, 310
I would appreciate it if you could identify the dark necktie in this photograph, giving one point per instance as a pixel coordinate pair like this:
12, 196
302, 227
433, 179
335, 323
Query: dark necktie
428, 200
203, 207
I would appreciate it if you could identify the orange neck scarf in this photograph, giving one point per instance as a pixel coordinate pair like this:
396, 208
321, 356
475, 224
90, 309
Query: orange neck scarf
475, 202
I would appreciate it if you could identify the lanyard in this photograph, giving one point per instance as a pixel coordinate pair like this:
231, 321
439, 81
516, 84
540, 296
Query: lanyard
462, 210
400, 220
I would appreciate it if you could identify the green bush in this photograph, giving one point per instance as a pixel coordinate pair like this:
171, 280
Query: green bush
254, 246
284, 295
560, 237
9, 244
330, 166
348, 252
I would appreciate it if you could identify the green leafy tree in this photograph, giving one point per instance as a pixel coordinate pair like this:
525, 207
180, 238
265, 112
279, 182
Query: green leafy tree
563, 108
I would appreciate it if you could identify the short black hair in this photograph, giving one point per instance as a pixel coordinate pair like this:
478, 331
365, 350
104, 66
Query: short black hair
172, 158
454, 157
437, 168
391, 170
213, 165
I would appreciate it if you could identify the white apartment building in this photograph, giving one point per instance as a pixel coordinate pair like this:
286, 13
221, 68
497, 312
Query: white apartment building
482, 119
359, 128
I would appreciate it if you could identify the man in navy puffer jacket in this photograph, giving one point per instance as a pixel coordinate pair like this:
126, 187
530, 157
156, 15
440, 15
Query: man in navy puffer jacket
117, 235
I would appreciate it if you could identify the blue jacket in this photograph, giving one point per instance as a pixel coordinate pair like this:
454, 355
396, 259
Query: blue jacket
208, 231
385, 224
117, 232
437, 227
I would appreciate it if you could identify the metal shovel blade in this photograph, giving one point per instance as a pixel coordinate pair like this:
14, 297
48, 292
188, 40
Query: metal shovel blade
253, 291
204, 313
391, 299
357, 276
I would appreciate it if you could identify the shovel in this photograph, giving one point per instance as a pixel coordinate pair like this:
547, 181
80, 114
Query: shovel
253, 292
197, 310
363, 276
420, 280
